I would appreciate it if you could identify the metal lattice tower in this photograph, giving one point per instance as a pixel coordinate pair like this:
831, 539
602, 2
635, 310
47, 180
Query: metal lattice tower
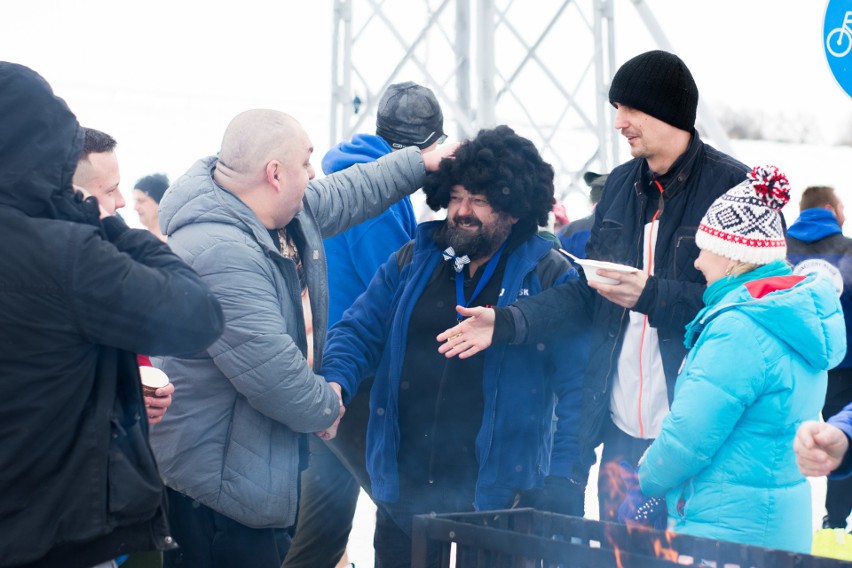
542, 67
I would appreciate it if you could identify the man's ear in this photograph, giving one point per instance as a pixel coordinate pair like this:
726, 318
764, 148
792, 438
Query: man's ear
273, 172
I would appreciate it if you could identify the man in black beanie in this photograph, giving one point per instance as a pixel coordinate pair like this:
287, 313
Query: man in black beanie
147, 194
647, 218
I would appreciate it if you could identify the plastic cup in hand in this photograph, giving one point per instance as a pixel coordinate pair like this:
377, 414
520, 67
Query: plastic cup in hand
152, 379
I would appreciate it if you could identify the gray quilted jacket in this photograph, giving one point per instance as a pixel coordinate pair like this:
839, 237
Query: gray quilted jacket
230, 437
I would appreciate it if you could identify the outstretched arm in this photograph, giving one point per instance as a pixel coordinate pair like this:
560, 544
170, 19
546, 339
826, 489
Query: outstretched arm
470, 336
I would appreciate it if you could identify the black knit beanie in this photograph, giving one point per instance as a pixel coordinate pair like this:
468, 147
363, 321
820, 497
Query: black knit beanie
657, 83
154, 185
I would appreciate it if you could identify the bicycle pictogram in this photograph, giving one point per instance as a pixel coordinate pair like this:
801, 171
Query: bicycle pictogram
838, 42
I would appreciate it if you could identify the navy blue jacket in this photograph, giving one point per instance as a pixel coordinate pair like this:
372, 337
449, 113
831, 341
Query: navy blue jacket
575, 235
513, 446
672, 296
815, 243
843, 420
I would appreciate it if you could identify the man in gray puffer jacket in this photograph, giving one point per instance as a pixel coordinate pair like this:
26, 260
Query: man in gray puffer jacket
250, 223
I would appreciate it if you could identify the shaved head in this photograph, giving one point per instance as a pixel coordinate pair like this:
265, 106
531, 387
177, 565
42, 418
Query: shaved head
256, 136
265, 160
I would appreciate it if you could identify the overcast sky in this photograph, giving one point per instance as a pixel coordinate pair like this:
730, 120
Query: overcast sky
164, 78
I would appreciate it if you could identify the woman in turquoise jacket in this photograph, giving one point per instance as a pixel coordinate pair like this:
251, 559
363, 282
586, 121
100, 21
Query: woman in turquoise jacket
756, 369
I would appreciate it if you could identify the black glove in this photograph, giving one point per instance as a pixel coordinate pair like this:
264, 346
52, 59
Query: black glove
560, 495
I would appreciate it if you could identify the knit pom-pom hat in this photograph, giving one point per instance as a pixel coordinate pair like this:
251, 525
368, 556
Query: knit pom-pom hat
745, 224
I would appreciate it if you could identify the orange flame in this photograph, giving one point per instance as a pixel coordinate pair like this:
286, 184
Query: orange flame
665, 552
615, 550
614, 488
617, 557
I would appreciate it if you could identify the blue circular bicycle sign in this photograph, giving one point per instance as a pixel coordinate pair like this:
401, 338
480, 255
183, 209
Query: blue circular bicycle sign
837, 39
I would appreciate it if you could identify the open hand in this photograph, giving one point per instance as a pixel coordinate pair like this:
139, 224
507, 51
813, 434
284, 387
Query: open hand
470, 336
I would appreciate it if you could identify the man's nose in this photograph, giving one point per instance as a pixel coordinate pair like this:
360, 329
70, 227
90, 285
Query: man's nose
618, 121
119, 200
465, 207
311, 172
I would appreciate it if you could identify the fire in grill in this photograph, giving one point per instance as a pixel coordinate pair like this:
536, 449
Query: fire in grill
527, 538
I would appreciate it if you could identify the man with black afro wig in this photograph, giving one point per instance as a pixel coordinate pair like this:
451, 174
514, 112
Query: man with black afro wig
440, 437
504, 168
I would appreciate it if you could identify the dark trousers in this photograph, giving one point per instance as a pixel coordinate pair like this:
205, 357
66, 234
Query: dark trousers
394, 521
208, 539
618, 447
838, 496
330, 488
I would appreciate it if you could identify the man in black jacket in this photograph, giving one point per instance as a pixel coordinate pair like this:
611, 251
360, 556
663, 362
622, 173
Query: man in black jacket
79, 295
97, 170
647, 219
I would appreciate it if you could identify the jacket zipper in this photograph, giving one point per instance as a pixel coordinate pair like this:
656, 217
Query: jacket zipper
434, 433
612, 355
649, 269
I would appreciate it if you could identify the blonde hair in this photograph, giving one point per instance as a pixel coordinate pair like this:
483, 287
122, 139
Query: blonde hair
746, 267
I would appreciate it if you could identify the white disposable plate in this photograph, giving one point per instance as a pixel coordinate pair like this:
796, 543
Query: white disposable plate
590, 267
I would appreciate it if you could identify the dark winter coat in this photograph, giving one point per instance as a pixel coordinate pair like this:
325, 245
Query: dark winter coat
78, 482
524, 386
815, 243
672, 296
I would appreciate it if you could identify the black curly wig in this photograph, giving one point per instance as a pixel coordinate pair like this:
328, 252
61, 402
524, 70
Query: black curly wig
504, 167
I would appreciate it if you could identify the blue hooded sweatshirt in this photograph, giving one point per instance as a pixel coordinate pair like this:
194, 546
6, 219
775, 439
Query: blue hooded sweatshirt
815, 244
355, 255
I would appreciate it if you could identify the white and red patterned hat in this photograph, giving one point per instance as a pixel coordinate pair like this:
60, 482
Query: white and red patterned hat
745, 224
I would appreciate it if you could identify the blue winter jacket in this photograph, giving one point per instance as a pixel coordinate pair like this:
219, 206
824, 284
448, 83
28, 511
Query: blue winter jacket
513, 446
815, 243
757, 370
843, 420
355, 255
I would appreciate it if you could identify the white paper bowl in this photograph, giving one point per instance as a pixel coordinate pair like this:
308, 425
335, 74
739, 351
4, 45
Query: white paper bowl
590, 267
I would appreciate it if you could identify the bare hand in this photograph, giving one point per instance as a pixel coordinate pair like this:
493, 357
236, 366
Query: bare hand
820, 448
471, 335
432, 159
330, 432
156, 406
626, 293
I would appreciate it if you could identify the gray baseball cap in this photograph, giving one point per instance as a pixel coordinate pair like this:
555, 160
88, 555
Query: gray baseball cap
596, 182
409, 115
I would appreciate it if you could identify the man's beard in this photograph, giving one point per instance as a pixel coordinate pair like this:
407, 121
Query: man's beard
475, 244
